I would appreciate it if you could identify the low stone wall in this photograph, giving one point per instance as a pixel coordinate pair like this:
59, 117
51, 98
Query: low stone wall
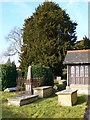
43, 92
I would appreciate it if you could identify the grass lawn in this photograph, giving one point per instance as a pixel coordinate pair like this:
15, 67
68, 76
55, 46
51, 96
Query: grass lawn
42, 108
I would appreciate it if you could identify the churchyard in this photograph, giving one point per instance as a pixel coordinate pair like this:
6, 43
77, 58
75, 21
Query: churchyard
53, 78
43, 108
38, 98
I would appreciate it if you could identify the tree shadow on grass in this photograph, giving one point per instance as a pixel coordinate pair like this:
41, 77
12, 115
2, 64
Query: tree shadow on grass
81, 99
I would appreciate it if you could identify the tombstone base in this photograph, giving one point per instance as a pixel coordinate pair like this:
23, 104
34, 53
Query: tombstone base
67, 97
43, 92
22, 100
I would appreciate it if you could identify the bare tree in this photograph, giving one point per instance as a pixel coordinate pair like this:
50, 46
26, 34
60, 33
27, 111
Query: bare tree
15, 42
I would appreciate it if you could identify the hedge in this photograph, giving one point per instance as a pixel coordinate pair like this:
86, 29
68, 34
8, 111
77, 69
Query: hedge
0, 80
8, 75
21, 73
44, 72
64, 74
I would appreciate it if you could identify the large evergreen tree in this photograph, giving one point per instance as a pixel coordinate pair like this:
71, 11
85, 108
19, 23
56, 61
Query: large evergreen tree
83, 44
47, 35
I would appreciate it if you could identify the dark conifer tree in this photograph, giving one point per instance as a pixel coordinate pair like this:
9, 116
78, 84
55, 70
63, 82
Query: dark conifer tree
47, 35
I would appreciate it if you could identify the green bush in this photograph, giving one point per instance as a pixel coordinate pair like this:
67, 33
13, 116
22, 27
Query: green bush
60, 86
0, 80
64, 74
21, 73
8, 75
43, 72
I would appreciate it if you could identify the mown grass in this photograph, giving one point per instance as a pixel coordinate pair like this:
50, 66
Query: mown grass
42, 108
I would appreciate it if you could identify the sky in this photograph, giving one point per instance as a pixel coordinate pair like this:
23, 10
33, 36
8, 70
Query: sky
14, 13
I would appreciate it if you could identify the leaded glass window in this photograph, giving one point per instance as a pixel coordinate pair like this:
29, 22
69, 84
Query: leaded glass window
81, 71
72, 71
77, 71
86, 71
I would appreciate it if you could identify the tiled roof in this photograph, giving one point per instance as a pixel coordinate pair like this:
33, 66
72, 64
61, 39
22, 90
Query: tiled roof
77, 57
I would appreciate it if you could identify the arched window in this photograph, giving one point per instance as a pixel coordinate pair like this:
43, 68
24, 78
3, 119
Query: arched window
72, 71
81, 71
77, 71
86, 71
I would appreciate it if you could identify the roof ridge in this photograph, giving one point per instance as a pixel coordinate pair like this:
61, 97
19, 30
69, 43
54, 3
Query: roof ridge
86, 50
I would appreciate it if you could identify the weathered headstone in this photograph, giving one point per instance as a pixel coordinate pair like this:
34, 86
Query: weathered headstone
27, 97
29, 81
67, 97
59, 79
43, 91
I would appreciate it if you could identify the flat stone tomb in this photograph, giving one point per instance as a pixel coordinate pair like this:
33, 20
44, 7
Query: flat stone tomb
67, 97
43, 92
22, 100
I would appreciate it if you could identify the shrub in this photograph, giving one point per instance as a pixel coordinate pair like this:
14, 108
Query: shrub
9, 75
44, 72
60, 86
0, 80
64, 75
21, 73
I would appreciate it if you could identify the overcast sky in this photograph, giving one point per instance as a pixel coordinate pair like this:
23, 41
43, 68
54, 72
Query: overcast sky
14, 13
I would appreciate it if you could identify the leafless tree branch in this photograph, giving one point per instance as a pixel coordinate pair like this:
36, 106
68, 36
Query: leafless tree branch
15, 42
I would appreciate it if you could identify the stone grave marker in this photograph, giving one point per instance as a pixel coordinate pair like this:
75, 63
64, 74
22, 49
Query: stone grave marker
29, 81
27, 97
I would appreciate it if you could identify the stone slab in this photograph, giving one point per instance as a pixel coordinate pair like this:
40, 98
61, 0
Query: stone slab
22, 100
42, 87
11, 89
67, 91
43, 92
67, 97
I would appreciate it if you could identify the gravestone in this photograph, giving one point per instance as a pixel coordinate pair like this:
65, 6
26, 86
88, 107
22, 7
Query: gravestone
67, 97
29, 81
59, 79
27, 97
43, 91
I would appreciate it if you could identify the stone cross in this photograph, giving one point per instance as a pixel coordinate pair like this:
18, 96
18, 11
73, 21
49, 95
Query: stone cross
28, 81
